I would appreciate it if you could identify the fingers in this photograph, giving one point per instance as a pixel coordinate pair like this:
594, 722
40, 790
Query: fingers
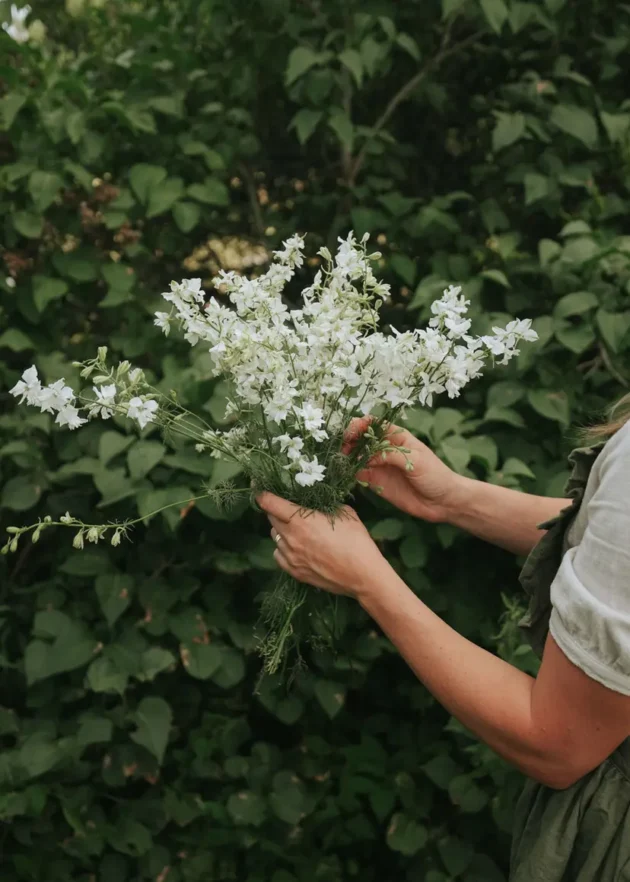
356, 428
282, 561
276, 506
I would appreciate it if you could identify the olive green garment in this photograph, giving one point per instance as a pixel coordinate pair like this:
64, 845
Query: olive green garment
581, 834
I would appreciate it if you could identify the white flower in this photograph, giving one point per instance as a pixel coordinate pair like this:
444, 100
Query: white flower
28, 387
291, 446
313, 416
55, 397
17, 29
104, 404
311, 472
142, 411
10, 282
163, 321
69, 416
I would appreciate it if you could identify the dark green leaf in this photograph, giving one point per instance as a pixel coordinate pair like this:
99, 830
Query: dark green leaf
495, 12
46, 289
331, 696
577, 122
153, 718
406, 835
186, 215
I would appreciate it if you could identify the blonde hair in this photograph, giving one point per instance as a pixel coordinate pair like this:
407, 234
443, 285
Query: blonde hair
618, 416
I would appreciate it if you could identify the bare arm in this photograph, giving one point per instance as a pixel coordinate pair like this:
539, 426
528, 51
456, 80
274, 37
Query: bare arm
504, 517
554, 728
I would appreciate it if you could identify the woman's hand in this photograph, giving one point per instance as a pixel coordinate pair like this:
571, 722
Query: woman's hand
340, 556
427, 491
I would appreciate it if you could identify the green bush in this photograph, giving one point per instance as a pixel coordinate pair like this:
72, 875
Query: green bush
483, 143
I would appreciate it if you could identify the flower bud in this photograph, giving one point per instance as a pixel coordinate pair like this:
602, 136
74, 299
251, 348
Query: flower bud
36, 535
116, 538
93, 534
13, 529
77, 542
102, 353
48, 519
14, 545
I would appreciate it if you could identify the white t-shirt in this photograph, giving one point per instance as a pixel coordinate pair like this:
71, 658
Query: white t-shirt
590, 594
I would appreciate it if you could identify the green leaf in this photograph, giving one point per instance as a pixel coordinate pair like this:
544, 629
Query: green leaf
28, 224
305, 122
441, 770
613, 327
413, 552
95, 730
211, 192
10, 106
575, 228
80, 266
16, 340
110, 444
407, 42
89, 562
575, 338
39, 755
186, 215
617, 126
72, 646
287, 800
404, 267
451, 6
113, 591
247, 808
144, 178
44, 187
406, 835
153, 718
351, 59
301, 60
46, 289
551, 405
495, 12
331, 696
510, 128
201, 660
170, 105
20, 493
154, 661
104, 676
389, 529
514, 466
144, 456
341, 124
456, 854
576, 303
456, 453
577, 122
232, 669
466, 794
496, 275
164, 195
548, 250
505, 393
536, 187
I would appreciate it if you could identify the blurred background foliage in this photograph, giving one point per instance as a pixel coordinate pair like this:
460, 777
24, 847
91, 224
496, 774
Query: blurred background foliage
482, 142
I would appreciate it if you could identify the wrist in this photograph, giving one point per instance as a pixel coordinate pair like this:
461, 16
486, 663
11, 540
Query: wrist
375, 583
459, 502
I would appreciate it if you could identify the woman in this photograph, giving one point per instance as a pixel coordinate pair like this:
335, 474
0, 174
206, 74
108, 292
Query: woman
567, 729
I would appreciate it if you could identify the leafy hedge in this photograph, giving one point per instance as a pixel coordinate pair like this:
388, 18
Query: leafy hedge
479, 142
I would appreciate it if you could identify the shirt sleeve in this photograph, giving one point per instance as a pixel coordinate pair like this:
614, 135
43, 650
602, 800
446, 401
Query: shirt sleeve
590, 595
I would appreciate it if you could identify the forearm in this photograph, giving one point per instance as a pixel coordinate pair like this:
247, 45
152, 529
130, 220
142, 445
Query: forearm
504, 517
485, 693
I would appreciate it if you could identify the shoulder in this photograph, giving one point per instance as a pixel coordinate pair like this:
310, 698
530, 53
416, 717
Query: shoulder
613, 462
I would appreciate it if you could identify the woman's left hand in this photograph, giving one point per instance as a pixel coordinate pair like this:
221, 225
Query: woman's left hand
340, 556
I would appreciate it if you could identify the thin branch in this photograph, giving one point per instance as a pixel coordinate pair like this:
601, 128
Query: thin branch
612, 369
405, 91
250, 183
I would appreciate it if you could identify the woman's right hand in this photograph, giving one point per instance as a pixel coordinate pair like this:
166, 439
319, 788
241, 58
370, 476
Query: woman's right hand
426, 491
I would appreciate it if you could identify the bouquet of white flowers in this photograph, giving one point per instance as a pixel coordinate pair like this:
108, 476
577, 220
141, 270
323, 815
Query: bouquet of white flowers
297, 376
